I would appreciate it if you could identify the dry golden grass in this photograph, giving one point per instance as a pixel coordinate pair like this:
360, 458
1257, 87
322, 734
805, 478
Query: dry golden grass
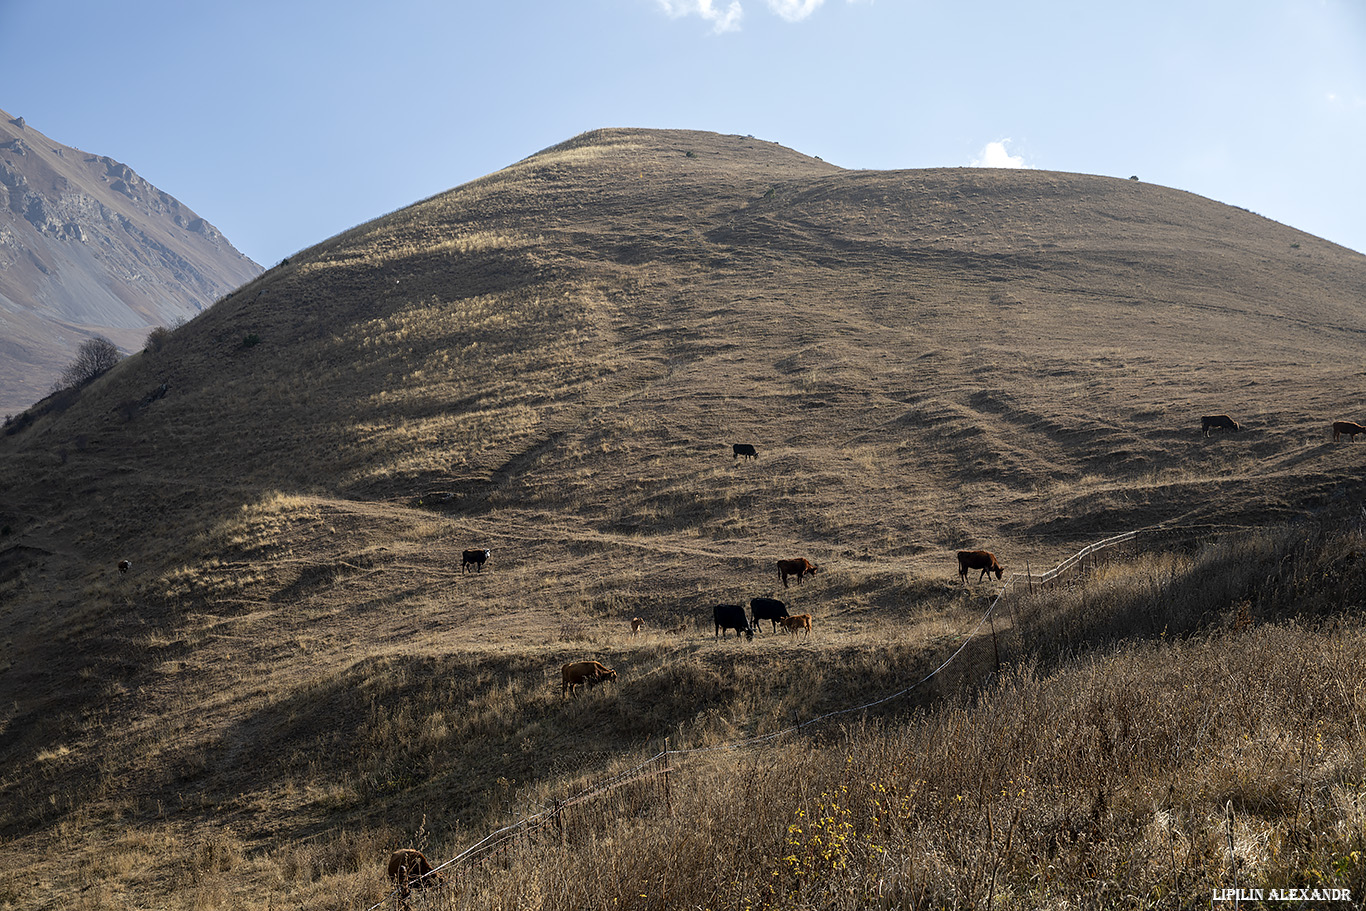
552, 362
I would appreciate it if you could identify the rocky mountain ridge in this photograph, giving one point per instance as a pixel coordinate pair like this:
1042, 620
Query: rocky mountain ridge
88, 247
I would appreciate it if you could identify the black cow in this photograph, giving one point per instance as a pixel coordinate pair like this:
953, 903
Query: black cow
1350, 429
767, 609
732, 616
1217, 422
744, 449
475, 558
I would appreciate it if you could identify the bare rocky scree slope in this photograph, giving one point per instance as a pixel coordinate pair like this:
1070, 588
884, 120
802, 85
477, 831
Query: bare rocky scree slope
87, 247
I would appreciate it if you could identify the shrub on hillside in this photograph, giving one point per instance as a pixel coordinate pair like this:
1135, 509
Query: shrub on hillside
156, 339
95, 357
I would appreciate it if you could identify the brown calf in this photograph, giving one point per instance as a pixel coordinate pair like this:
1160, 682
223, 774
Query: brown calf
583, 673
410, 870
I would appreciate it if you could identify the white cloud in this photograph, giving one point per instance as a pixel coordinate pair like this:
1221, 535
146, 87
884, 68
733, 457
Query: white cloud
794, 10
994, 155
727, 20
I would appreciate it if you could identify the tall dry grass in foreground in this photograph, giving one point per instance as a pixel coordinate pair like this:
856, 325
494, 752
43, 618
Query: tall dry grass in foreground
1140, 779
1129, 775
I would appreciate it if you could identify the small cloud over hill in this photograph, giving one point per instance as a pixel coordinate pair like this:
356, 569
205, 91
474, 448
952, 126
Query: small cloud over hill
794, 10
728, 19
722, 20
994, 155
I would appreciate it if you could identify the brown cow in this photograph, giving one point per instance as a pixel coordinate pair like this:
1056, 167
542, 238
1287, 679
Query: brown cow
799, 622
798, 567
984, 560
1217, 422
583, 673
636, 624
410, 870
1350, 428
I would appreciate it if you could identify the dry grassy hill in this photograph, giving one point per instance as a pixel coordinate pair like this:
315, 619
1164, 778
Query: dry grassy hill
552, 362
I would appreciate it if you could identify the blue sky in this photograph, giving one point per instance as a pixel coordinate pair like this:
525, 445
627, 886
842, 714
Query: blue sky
286, 122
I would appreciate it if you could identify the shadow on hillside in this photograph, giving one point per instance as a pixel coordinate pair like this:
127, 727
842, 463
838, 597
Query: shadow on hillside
1184, 586
467, 735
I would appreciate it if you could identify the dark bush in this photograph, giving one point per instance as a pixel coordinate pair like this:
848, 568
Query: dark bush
95, 356
156, 339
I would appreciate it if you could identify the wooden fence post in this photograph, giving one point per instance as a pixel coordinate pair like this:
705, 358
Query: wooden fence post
994, 644
668, 796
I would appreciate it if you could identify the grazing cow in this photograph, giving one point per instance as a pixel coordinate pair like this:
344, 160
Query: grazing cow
800, 621
984, 560
125, 565
475, 558
1217, 422
732, 616
1350, 428
766, 609
744, 449
798, 567
583, 673
636, 624
410, 870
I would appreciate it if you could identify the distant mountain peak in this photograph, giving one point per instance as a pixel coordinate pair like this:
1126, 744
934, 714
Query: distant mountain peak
88, 247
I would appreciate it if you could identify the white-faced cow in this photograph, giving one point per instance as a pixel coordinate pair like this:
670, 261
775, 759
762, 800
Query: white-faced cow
732, 616
584, 673
1350, 429
474, 558
124, 566
1217, 422
798, 567
744, 449
410, 870
766, 609
984, 560
636, 624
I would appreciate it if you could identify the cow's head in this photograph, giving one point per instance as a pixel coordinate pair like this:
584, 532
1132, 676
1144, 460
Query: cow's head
601, 676
749, 632
999, 570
